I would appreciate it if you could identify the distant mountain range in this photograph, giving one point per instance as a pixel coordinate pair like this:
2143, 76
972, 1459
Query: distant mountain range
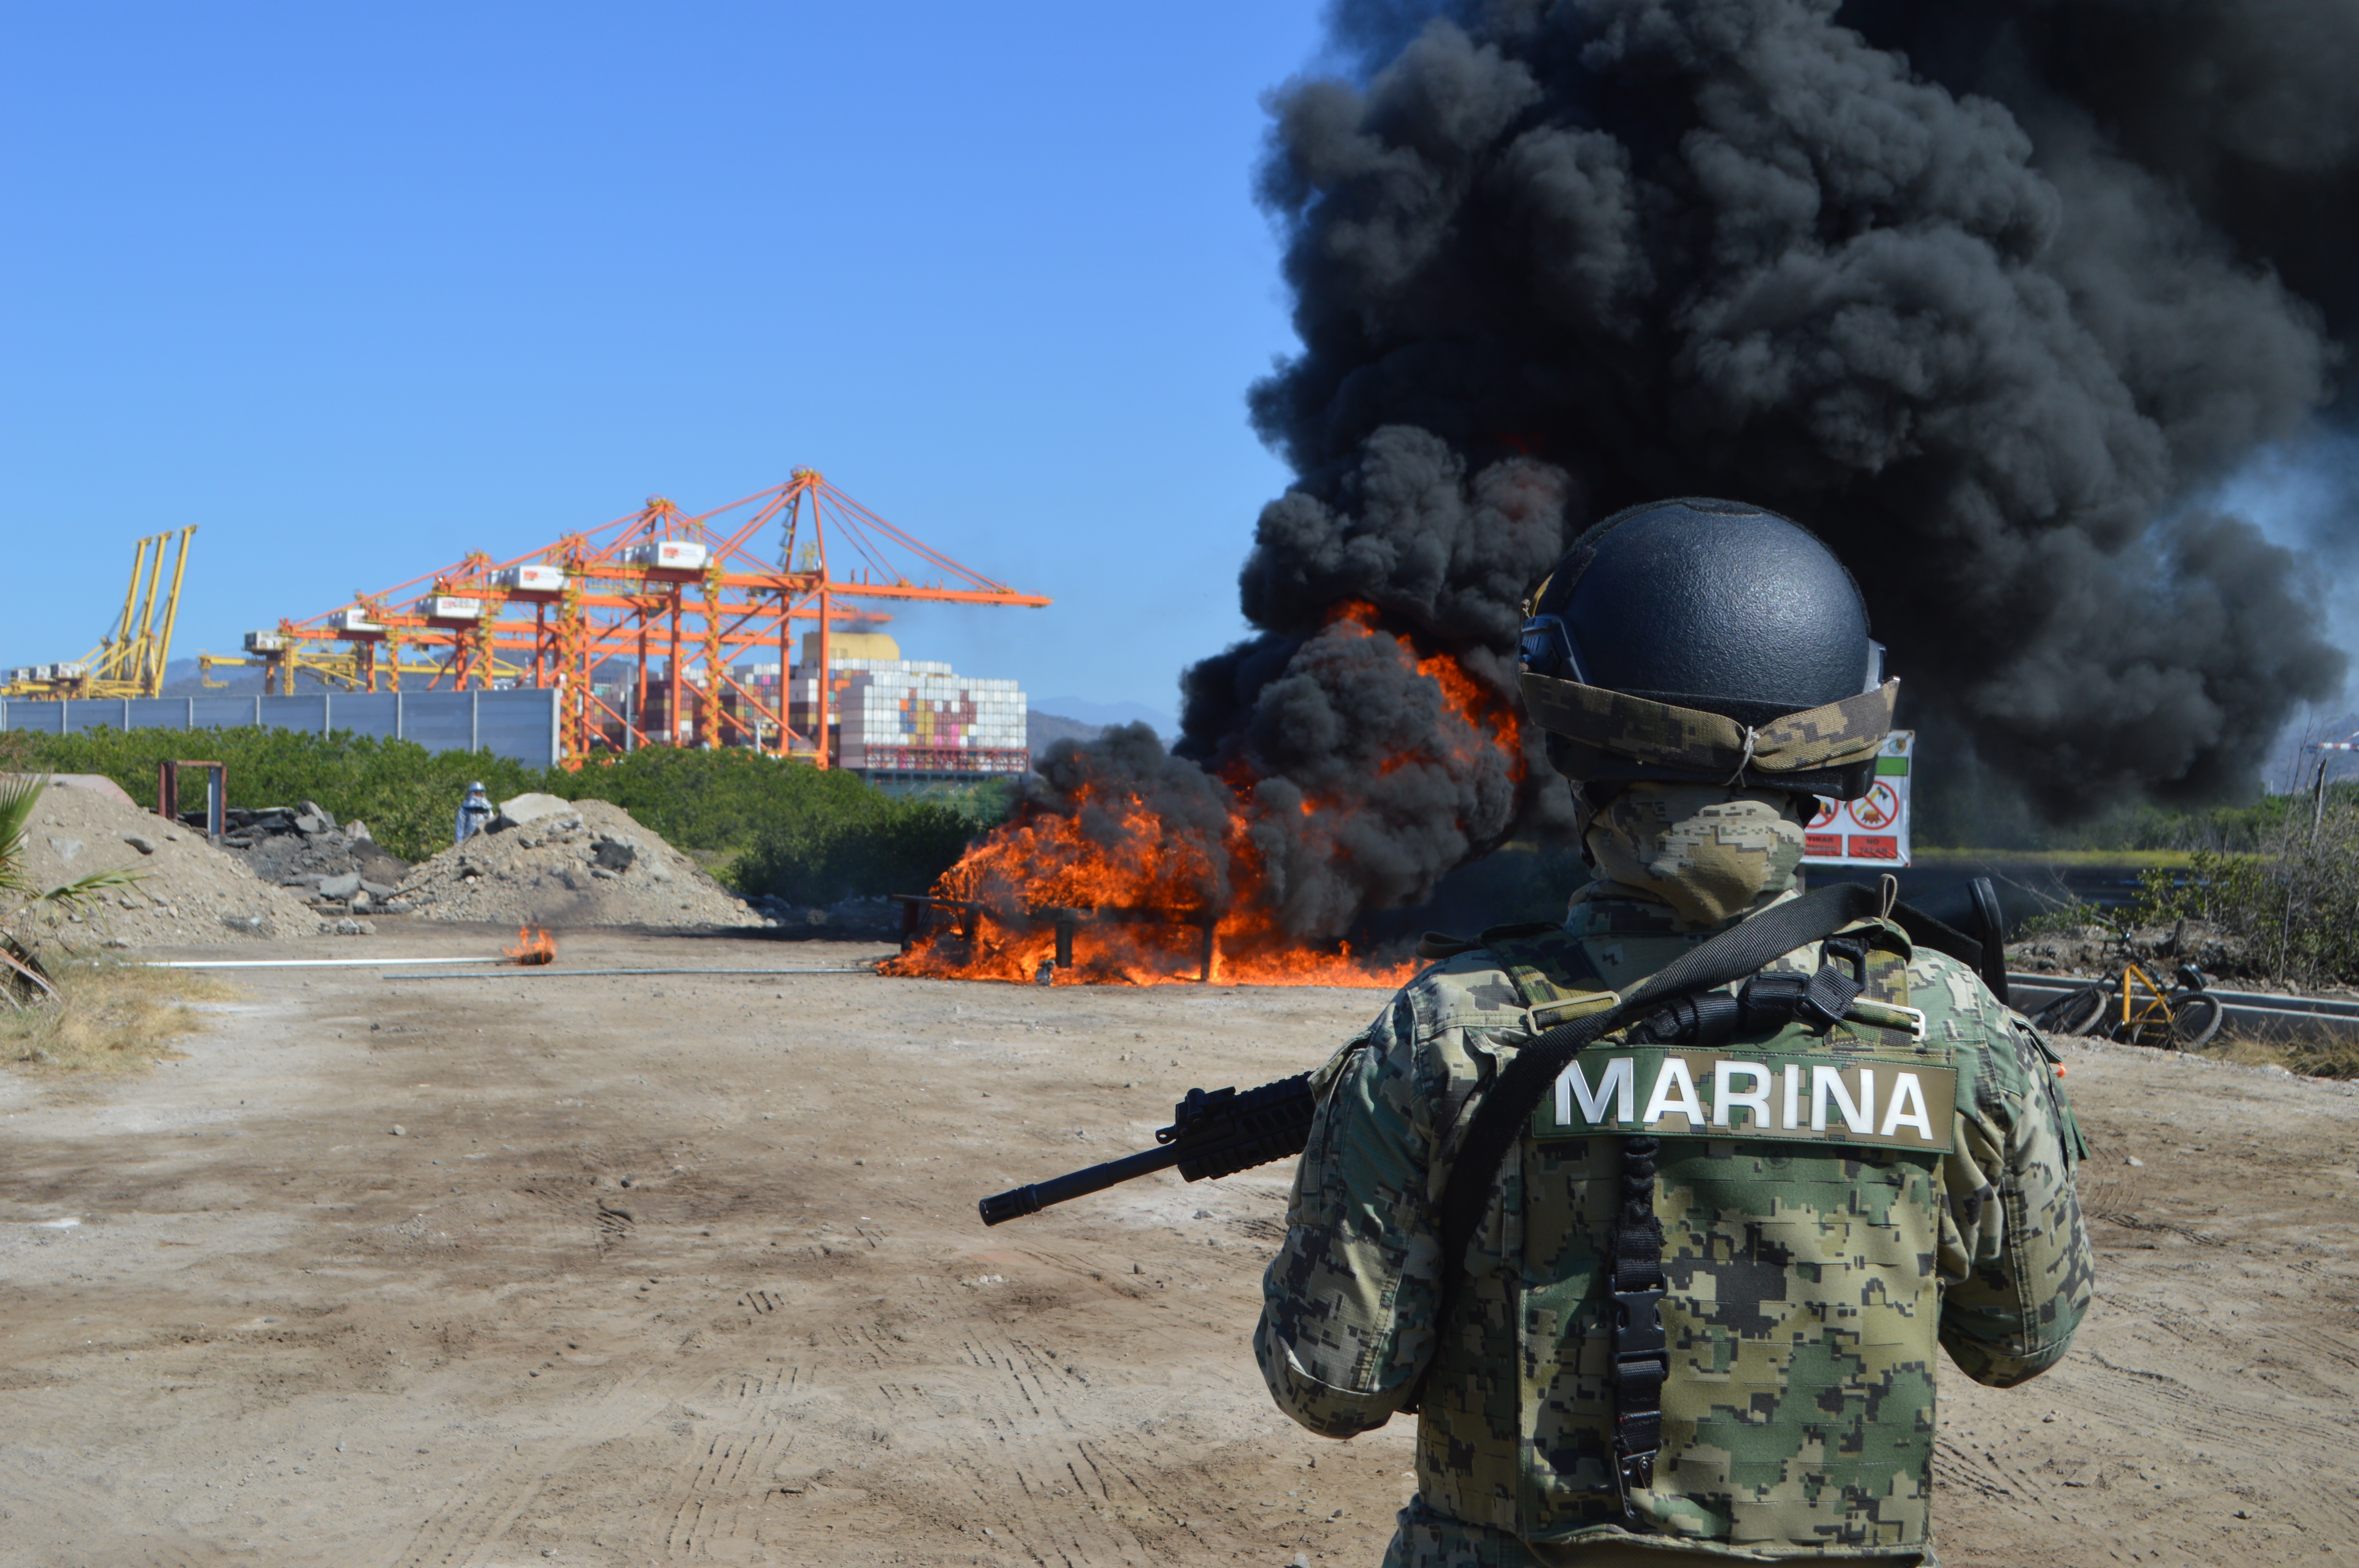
1042, 731
1105, 713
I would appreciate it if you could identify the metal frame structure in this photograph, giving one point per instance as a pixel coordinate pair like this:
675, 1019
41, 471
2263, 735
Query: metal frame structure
689, 589
129, 661
338, 671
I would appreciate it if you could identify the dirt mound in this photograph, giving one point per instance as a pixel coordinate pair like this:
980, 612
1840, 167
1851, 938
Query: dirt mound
189, 891
589, 863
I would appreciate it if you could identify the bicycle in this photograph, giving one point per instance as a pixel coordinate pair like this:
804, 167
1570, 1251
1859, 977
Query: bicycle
2127, 1006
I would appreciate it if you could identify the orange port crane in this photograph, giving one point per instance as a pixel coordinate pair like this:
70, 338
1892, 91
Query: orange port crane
694, 591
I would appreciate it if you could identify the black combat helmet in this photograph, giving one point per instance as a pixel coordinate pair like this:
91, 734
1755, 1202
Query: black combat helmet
1699, 641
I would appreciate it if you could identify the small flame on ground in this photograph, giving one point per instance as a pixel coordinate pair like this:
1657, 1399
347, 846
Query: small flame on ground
1139, 893
533, 947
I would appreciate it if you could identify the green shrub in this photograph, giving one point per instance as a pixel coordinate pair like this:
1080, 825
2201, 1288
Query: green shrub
2294, 899
832, 837
797, 833
406, 794
2064, 919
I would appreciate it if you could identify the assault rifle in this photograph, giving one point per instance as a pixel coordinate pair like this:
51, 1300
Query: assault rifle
1223, 1131
1212, 1134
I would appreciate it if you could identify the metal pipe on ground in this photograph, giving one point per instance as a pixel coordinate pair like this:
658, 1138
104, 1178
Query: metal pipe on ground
304, 963
867, 969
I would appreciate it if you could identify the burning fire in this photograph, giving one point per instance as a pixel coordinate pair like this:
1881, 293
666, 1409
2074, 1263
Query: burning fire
533, 947
1145, 901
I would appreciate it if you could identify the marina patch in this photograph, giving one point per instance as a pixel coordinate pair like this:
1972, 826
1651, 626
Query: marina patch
1809, 1096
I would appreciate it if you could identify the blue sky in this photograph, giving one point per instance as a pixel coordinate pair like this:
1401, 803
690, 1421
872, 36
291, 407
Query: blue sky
358, 289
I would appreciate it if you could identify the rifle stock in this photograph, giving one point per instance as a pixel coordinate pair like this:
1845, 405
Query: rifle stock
1212, 1134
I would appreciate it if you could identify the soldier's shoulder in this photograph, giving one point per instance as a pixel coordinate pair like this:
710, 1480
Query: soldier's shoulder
1961, 1012
1948, 988
1468, 990
1493, 980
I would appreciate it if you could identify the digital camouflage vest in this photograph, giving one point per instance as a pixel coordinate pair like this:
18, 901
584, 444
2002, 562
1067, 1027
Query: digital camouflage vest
1802, 1308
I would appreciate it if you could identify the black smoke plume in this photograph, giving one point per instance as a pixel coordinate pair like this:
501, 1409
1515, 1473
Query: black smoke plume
1982, 292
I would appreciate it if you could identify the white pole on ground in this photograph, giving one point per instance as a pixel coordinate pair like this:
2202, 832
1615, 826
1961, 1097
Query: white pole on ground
302, 963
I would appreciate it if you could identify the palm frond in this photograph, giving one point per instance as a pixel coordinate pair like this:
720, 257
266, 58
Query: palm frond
17, 794
89, 887
23, 982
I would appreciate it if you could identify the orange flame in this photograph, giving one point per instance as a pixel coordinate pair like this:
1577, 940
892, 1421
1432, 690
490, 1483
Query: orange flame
1147, 901
533, 947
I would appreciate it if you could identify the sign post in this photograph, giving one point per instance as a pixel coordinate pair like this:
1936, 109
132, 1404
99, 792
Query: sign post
1874, 829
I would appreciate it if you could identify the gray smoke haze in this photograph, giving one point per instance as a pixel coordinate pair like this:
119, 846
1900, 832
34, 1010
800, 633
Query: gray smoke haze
1989, 296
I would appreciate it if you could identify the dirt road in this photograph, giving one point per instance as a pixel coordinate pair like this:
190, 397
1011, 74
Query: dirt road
687, 1268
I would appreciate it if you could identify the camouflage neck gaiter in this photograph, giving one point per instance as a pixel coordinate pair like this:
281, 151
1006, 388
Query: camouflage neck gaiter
1710, 853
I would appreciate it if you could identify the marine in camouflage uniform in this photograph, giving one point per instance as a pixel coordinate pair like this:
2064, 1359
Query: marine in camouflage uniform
1807, 1281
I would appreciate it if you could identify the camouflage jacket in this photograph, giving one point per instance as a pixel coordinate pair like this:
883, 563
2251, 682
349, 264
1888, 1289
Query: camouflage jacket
1807, 1282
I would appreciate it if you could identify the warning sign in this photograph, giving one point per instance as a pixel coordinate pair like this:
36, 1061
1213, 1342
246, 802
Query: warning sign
1874, 829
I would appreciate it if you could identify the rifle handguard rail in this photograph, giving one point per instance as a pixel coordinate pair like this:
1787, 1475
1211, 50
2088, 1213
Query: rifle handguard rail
1212, 1133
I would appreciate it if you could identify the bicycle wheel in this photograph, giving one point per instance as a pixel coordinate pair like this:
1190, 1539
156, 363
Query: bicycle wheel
2073, 1013
2194, 1018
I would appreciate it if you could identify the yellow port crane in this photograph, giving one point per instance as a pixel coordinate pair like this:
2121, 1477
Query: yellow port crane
129, 661
344, 672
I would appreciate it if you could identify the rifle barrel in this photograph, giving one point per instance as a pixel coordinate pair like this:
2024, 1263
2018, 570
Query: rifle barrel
1003, 1206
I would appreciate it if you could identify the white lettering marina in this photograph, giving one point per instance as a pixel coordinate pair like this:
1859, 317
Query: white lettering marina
1708, 1093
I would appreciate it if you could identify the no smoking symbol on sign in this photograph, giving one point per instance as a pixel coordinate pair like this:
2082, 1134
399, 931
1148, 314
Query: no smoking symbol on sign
1878, 809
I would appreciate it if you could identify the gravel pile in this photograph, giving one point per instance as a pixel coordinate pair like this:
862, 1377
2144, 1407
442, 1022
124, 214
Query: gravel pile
567, 863
339, 870
189, 891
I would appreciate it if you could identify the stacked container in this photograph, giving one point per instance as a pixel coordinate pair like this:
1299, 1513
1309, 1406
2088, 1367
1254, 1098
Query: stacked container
930, 720
908, 716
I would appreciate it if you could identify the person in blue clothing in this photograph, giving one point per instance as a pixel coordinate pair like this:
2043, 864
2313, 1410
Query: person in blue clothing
474, 813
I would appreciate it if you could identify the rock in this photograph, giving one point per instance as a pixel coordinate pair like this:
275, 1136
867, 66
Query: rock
141, 842
2136, 1164
340, 887
614, 854
65, 848
398, 1131
377, 891
306, 822
527, 809
361, 900
313, 808
358, 833
349, 927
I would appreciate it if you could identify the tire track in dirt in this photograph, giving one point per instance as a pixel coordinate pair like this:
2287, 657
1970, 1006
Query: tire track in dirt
714, 1502
467, 1526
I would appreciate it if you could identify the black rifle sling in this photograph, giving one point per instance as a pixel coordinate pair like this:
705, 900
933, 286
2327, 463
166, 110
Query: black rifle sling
1500, 1115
